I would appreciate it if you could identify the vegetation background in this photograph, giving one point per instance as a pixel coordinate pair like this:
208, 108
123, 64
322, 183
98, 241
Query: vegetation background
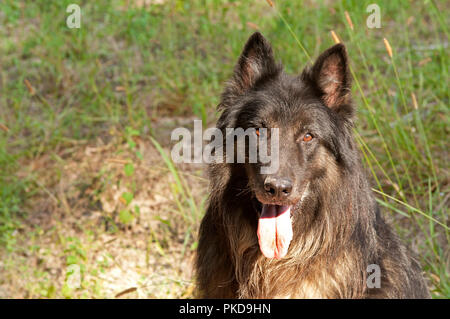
88, 193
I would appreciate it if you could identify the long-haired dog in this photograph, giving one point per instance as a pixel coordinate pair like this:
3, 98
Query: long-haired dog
312, 229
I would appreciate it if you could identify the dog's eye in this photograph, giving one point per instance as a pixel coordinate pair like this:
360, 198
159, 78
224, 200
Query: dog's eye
308, 137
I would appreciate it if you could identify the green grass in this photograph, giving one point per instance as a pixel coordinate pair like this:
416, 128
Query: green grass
127, 67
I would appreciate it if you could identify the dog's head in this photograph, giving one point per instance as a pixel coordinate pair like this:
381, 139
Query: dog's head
313, 114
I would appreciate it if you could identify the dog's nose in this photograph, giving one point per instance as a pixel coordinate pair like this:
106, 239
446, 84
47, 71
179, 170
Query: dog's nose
278, 187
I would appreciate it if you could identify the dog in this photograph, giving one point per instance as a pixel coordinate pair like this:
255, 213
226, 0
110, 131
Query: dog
313, 228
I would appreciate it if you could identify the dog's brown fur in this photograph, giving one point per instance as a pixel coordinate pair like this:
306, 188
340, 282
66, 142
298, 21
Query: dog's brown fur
338, 229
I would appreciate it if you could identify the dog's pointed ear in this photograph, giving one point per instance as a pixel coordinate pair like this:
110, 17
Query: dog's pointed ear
256, 62
331, 76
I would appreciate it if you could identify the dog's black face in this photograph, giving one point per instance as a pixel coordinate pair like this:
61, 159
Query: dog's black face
309, 110
312, 112
307, 132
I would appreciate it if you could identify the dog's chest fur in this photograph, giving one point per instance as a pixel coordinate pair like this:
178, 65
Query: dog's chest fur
318, 284
301, 275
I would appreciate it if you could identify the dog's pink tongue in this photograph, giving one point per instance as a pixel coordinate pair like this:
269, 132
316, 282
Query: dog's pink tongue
275, 230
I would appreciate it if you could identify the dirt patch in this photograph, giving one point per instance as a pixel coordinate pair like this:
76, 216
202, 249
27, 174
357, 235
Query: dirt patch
115, 214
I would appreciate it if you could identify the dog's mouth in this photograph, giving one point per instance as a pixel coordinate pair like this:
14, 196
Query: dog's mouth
275, 225
274, 230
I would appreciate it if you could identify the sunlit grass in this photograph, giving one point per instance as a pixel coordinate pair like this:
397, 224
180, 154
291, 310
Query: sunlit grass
129, 67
